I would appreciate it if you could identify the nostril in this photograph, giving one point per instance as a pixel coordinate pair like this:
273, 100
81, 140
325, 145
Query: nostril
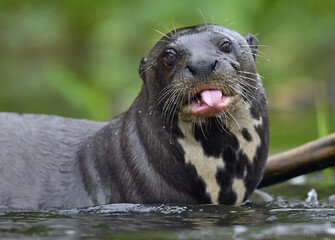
215, 65
190, 69
236, 65
202, 67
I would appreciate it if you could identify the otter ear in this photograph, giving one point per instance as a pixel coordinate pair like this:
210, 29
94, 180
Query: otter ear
142, 68
253, 43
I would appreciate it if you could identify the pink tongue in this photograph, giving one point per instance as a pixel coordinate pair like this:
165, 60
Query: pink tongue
211, 97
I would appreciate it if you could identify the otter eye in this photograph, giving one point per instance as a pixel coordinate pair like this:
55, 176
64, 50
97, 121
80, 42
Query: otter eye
170, 58
225, 47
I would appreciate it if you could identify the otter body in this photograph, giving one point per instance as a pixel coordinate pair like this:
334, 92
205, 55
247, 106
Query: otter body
196, 134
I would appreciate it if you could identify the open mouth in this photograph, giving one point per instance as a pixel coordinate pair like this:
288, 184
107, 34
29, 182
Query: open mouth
207, 103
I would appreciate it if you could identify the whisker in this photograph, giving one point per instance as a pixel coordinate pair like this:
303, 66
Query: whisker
232, 23
163, 95
200, 124
174, 26
179, 98
175, 32
260, 54
238, 125
244, 93
224, 21
193, 127
263, 53
149, 67
248, 78
162, 33
251, 73
159, 40
263, 57
167, 108
220, 122
255, 45
202, 15
173, 101
245, 83
166, 28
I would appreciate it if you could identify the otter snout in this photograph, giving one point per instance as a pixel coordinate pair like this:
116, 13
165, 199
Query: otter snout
201, 67
205, 67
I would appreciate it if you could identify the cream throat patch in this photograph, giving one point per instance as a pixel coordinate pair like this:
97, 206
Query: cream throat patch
243, 121
206, 166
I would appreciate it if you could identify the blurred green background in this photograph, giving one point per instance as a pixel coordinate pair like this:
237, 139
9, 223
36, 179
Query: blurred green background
80, 58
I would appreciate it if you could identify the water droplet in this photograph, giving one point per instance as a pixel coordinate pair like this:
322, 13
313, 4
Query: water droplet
117, 132
312, 196
164, 127
139, 111
150, 113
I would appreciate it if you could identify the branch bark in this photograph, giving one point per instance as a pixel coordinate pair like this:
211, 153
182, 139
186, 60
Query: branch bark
310, 157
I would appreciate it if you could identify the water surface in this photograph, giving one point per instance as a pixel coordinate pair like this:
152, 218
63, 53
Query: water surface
291, 214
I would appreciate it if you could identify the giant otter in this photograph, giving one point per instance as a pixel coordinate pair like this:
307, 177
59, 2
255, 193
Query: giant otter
197, 133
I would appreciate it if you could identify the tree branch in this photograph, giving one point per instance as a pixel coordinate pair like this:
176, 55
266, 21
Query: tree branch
310, 157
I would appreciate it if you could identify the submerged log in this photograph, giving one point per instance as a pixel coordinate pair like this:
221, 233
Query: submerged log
310, 157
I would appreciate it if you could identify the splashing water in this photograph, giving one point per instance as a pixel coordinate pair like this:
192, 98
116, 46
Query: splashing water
312, 197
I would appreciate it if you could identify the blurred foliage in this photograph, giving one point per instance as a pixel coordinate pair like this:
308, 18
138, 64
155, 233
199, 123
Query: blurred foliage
79, 58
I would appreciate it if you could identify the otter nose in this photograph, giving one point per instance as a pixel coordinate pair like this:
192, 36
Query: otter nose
202, 67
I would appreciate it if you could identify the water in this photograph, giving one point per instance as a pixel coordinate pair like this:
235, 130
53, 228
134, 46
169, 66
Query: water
295, 213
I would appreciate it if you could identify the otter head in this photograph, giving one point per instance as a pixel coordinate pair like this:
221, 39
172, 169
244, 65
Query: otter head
200, 72
204, 79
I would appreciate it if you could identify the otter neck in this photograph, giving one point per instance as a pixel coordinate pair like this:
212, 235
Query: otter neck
206, 166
